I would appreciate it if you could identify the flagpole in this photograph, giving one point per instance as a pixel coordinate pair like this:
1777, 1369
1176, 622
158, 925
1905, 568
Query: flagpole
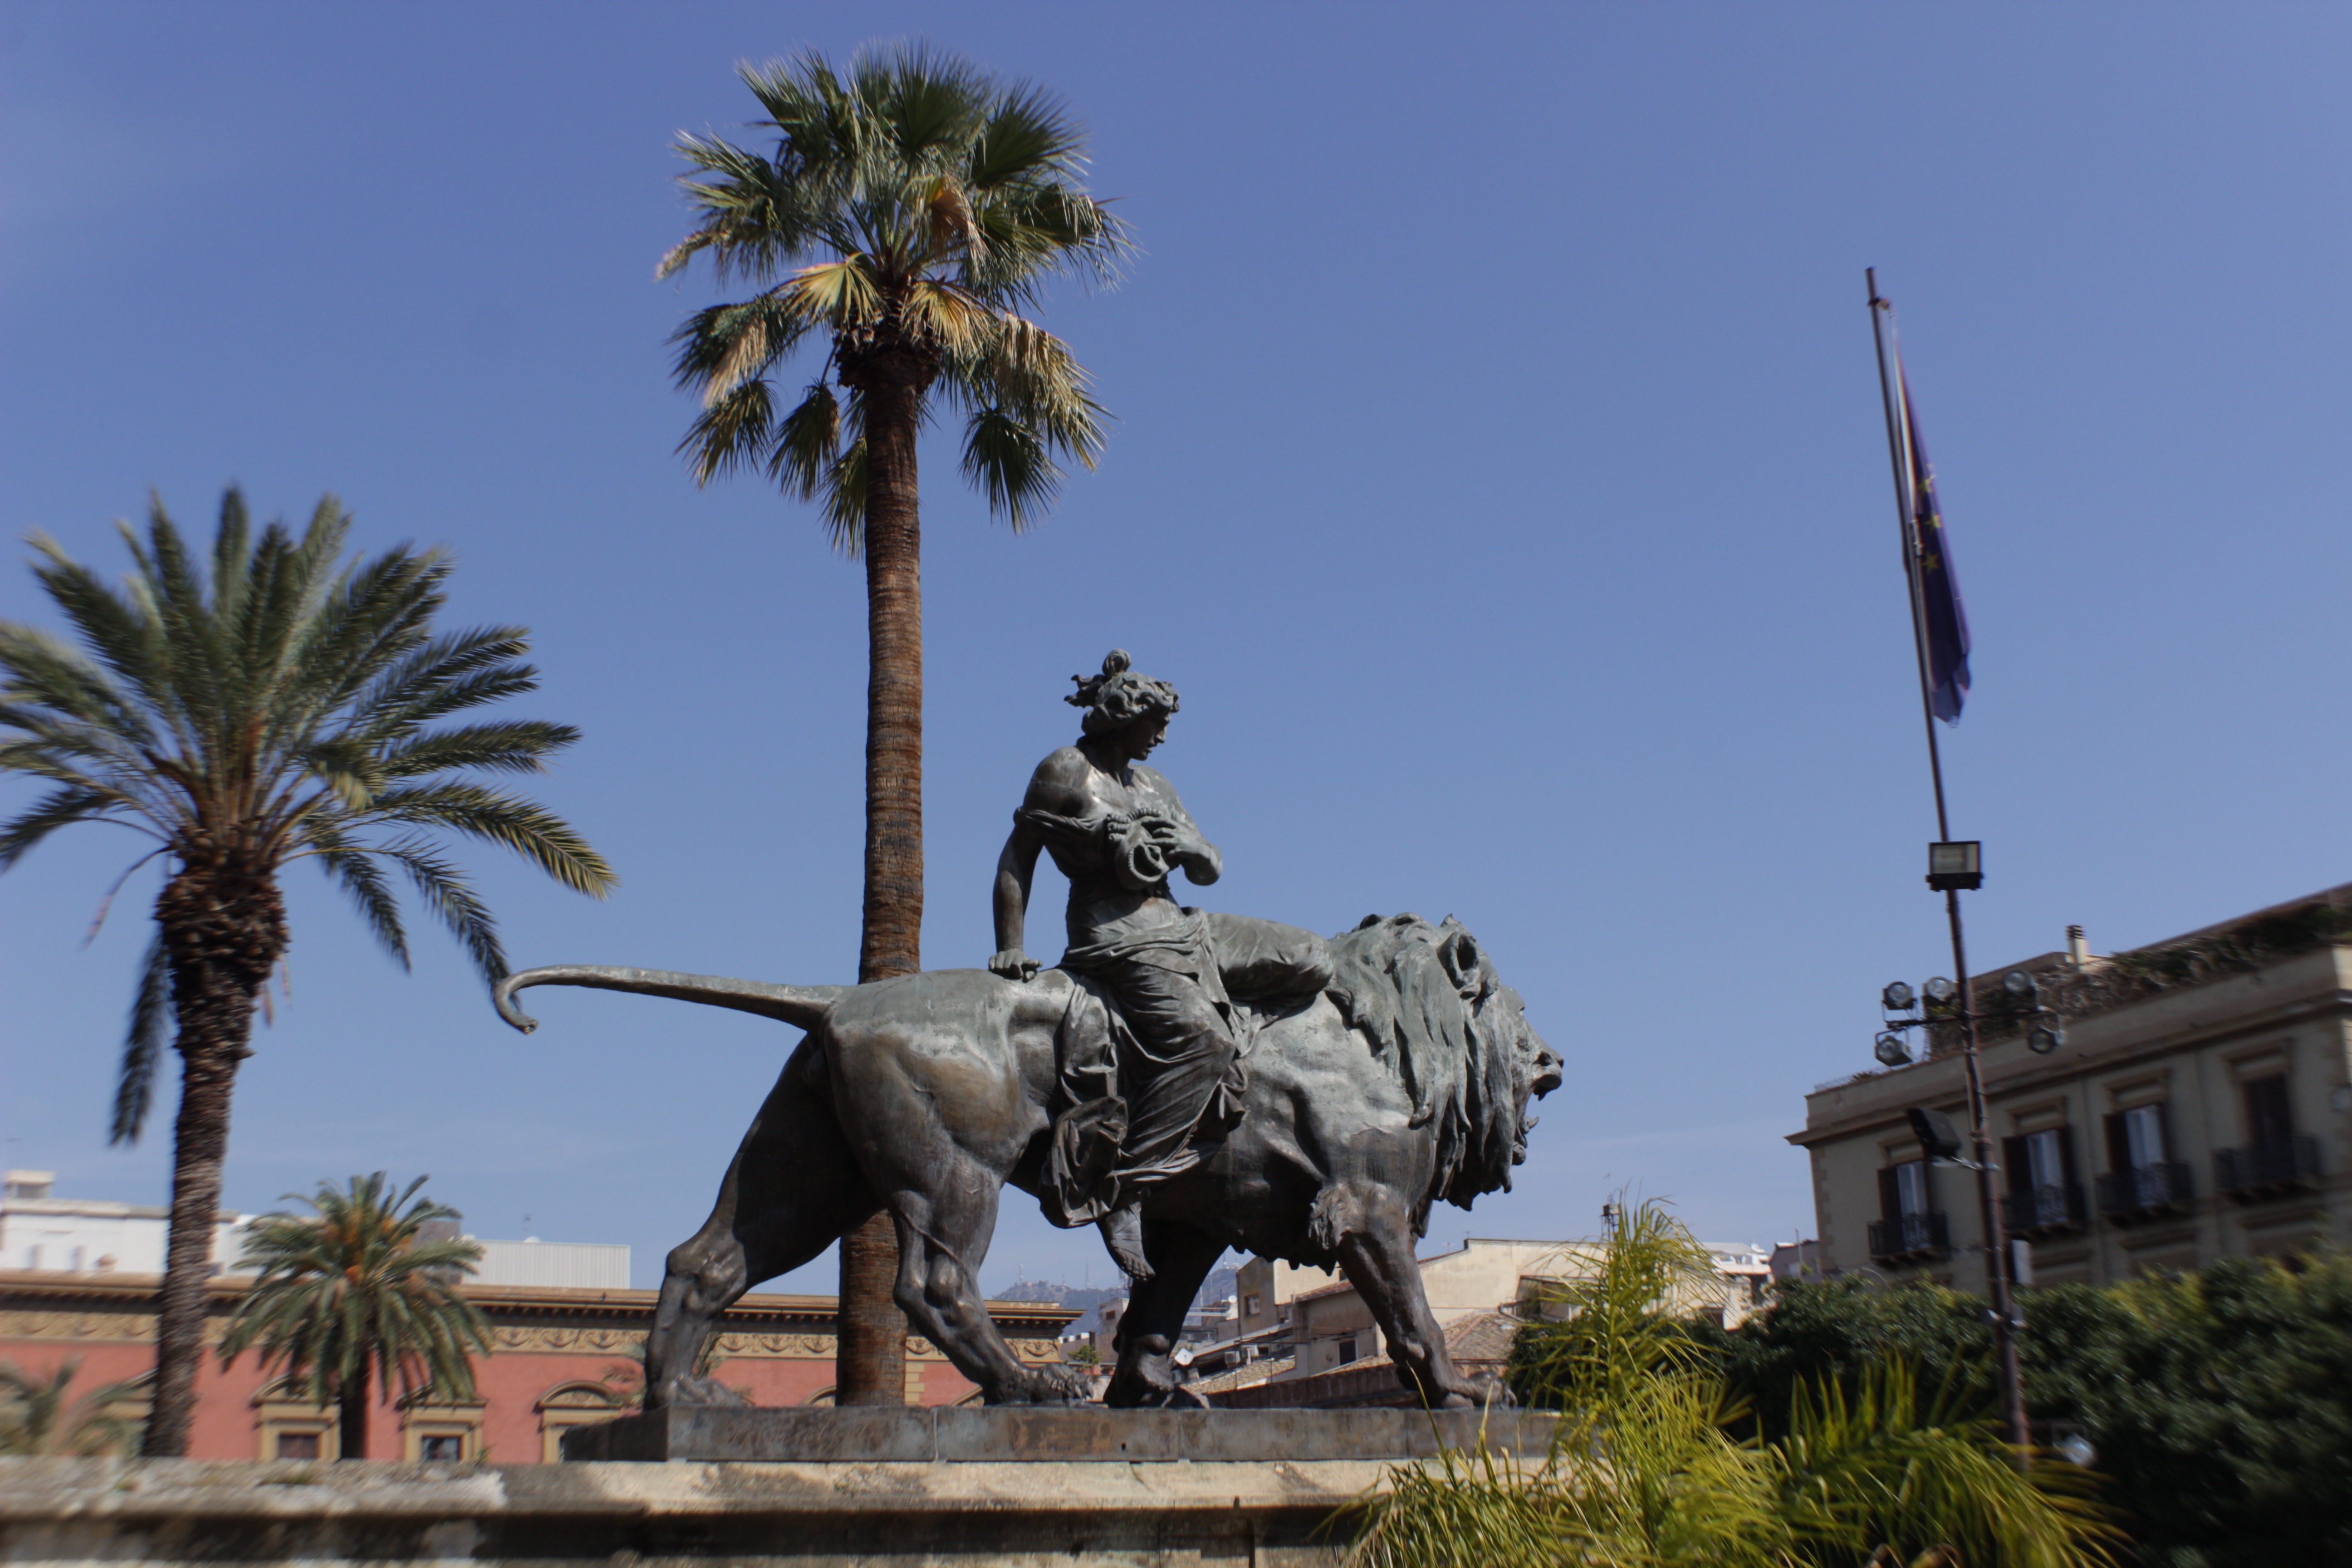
1894, 395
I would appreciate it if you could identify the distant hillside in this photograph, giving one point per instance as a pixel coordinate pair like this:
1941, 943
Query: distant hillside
1218, 1286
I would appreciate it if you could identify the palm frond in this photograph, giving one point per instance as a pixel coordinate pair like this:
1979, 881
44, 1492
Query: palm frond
808, 443
729, 432
370, 894
844, 501
1003, 457
514, 746
61, 807
143, 1044
522, 826
446, 894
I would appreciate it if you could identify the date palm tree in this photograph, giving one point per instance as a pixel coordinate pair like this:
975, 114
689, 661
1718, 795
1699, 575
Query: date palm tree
39, 1415
909, 211
353, 1297
273, 704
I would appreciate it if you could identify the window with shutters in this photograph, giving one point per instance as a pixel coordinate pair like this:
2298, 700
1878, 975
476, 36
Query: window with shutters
1908, 1224
2142, 1178
2270, 1118
1910, 1189
2043, 1195
2276, 1158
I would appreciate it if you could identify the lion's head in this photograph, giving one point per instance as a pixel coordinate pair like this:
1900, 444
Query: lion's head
1428, 998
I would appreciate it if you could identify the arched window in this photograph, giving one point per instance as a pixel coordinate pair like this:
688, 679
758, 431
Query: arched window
570, 1405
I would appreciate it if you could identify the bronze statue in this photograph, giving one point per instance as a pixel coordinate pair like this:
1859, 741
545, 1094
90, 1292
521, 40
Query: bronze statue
1195, 1082
1116, 830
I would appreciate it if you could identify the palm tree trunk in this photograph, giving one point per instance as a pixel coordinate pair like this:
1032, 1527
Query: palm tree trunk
224, 935
351, 1405
870, 1359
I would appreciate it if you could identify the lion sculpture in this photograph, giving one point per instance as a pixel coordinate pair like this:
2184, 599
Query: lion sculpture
1406, 1082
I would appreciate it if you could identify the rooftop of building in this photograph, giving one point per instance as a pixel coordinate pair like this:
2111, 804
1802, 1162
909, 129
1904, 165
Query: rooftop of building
2096, 984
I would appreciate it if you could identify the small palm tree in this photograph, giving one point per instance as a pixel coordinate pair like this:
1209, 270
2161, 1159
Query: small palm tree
38, 1416
911, 209
353, 1297
272, 704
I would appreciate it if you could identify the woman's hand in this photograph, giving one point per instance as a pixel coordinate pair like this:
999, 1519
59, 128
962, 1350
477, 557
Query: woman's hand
1011, 963
1178, 839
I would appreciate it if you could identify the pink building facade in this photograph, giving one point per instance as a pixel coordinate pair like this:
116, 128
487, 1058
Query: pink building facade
559, 1358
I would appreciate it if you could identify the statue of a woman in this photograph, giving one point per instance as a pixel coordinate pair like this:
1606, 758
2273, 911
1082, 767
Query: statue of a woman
1116, 830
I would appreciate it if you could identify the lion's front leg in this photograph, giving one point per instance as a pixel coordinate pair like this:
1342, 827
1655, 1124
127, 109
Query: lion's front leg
1147, 1376
1375, 1246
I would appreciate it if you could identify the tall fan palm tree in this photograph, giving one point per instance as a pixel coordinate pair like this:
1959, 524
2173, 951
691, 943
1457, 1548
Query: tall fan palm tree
909, 211
276, 704
354, 1296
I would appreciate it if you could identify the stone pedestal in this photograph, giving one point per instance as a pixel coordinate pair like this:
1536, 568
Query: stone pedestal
865, 1489
1016, 1434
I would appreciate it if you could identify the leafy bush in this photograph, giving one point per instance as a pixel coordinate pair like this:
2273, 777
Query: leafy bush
1652, 1465
2220, 1404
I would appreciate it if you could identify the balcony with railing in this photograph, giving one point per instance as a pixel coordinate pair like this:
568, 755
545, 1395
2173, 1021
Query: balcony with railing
2145, 1191
2259, 1169
2049, 1210
1912, 1238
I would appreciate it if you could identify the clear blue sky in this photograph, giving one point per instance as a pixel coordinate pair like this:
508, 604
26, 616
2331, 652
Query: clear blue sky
1498, 474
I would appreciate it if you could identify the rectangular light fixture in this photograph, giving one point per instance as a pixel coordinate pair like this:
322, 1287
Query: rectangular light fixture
1956, 864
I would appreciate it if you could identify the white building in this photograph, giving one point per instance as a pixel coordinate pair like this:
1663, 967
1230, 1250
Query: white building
48, 1235
42, 1234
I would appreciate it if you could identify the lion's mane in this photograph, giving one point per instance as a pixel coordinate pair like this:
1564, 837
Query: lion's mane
1394, 981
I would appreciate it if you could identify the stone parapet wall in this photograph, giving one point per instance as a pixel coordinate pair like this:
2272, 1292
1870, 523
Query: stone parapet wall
972, 1515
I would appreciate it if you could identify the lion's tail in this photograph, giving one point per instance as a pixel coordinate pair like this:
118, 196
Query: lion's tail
804, 1006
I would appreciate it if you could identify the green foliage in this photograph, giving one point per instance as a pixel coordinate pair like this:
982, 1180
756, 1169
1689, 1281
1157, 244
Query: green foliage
1649, 1467
2220, 1404
39, 1417
1086, 1355
353, 1293
912, 204
268, 702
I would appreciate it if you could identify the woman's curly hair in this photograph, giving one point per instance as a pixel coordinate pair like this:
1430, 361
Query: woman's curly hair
1119, 696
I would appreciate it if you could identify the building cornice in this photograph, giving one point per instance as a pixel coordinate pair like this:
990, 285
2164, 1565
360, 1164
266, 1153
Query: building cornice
517, 1307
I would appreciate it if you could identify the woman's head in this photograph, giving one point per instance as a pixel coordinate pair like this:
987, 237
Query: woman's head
1119, 697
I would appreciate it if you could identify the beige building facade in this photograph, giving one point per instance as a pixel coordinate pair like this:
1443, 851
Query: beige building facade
2199, 1106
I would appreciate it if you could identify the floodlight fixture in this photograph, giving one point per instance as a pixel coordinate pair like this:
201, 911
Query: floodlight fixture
1940, 989
1891, 1050
2045, 1040
1956, 865
2021, 987
1898, 997
1934, 1129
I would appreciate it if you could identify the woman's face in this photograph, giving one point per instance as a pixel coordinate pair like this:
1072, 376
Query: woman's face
1139, 739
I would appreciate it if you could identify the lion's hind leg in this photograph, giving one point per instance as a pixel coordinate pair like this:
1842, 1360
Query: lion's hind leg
792, 1191
945, 1224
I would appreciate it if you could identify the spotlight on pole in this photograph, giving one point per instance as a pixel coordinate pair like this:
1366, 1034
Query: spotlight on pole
1891, 1051
1934, 1129
1898, 997
1956, 864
